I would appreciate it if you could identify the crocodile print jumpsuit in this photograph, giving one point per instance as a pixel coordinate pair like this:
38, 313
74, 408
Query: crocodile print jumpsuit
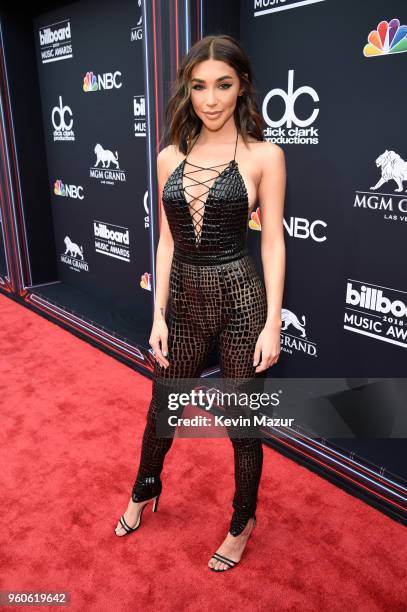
215, 293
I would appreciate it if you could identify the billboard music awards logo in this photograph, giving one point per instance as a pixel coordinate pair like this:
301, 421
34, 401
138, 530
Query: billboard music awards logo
139, 110
295, 339
290, 129
99, 82
390, 37
136, 33
112, 240
73, 256
265, 7
392, 174
376, 311
61, 117
68, 191
55, 42
106, 167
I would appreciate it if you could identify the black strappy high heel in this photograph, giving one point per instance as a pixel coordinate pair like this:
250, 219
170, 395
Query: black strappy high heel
144, 489
230, 562
127, 527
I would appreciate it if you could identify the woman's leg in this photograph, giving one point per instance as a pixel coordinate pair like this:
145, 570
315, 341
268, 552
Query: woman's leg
187, 353
246, 442
237, 341
188, 347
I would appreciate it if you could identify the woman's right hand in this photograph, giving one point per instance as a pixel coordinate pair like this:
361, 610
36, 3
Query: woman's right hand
159, 333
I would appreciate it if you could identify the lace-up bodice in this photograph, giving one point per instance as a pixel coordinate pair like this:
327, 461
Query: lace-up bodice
208, 225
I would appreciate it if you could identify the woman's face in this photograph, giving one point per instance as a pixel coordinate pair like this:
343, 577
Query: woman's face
214, 89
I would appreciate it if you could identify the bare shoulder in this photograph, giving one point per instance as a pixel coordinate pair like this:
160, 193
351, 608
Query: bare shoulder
167, 159
271, 157
263, 153
269, 152
163, 157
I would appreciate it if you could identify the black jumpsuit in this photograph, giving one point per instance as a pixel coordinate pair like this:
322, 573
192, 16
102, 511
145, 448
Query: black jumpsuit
215, 293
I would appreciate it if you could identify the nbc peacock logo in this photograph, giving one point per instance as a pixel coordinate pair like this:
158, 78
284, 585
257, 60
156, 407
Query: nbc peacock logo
90, 82
389, 37
145, 281
68, 191
255, 220
59, 188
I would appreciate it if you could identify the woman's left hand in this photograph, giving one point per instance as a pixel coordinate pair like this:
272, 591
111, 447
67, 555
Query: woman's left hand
268, 346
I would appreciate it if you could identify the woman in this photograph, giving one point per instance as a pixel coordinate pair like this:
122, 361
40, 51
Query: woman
204, 270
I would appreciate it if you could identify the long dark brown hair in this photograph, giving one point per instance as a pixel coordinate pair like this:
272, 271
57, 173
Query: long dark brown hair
182, 123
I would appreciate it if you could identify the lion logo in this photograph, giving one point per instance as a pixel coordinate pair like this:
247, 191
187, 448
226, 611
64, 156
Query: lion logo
72, 248
106, 157
289, 318
393, 168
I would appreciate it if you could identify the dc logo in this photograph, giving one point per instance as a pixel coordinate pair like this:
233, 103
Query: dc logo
290, 97
59, 112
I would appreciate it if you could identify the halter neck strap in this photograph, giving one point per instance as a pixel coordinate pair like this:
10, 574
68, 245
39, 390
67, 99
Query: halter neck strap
237, 136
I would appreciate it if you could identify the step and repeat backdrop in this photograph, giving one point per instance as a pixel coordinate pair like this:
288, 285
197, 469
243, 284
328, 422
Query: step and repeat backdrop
90, 64
328, 75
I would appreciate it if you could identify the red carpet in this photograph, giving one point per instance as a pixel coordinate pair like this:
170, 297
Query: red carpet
72, 420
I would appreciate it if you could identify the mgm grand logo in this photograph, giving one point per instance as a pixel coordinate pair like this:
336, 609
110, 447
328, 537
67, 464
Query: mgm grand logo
73, 256
106, 168
388, 196
293, 334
